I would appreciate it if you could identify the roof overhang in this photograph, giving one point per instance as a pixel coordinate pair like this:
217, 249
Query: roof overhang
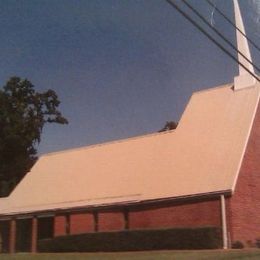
131, 204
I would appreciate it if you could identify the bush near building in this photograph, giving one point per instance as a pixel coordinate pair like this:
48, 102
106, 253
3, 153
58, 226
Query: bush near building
177, 238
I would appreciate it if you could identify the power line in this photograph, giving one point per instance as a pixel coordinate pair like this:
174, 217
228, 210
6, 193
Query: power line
219, 34
230, 22
211, 38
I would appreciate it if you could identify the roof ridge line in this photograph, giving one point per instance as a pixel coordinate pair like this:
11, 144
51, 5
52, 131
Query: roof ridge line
134, 137
108, 143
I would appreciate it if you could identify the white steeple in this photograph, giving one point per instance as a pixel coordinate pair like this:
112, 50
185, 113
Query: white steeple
244, 79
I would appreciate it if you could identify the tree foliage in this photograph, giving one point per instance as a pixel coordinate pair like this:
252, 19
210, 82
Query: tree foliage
169, 125
23, 114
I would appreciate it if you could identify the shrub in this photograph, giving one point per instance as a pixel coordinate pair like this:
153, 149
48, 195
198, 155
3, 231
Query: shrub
257, 242
237, 245
133, 240
250, 243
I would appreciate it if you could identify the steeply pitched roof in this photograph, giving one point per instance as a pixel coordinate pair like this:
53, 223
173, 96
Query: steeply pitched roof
203, 155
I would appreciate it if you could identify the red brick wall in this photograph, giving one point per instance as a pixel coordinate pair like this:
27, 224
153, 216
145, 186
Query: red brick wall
81, 223
189, 214
194, 214
245, 203
111, 221
59, 226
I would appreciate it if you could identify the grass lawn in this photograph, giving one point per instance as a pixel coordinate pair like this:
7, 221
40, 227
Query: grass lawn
180, 255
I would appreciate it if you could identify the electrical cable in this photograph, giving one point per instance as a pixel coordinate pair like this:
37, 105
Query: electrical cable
220, 34
230, 22
211, 38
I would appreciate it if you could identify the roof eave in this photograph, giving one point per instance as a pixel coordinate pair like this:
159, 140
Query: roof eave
118, 205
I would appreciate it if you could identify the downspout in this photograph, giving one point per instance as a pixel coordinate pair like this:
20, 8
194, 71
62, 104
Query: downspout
224, 222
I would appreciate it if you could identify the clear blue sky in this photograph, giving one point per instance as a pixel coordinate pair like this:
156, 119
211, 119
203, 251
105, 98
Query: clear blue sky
121, 68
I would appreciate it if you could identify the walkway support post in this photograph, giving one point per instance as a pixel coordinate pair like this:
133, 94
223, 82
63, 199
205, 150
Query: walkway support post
224, 222
34, 234
12, 236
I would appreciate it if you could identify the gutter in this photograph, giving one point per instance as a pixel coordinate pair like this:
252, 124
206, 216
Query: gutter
116, 206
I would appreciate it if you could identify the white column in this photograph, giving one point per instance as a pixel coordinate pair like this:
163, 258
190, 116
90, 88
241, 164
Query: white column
224, 222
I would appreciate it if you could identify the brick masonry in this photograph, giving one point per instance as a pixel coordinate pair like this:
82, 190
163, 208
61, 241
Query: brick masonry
244, 206
60, 225
81, 223
111, 221
189, 214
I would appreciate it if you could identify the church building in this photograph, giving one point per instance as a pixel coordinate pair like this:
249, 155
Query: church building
204, 173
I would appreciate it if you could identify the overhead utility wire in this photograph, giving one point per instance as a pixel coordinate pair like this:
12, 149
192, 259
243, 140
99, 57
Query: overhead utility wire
220, 34
230, 22
211, 38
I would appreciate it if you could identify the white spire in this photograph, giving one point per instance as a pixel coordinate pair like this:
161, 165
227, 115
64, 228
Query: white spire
244, 79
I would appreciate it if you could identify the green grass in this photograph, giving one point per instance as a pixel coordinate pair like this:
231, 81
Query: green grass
180, 255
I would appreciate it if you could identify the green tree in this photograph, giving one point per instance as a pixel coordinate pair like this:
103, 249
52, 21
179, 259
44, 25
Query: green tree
169, 125
23, 114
